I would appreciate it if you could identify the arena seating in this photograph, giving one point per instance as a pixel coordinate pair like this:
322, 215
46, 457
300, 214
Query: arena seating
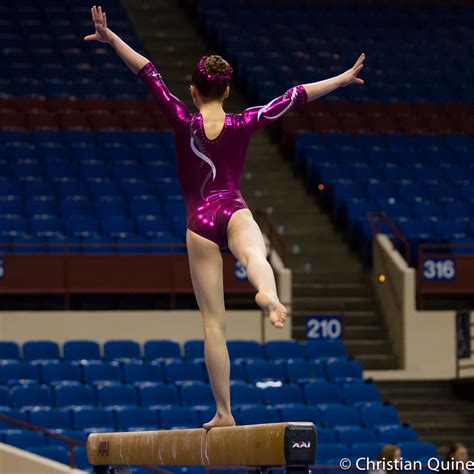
162, 385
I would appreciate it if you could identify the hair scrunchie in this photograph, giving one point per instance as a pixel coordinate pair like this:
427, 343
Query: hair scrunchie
226, 76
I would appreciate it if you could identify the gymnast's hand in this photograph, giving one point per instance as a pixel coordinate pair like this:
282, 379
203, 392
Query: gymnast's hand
350, 76
102, 33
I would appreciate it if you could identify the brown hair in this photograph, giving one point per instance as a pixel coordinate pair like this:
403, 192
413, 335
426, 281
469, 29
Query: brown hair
388, 452
452, 450
215, 64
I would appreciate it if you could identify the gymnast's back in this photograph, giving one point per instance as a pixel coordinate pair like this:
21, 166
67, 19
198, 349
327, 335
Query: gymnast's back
216, 164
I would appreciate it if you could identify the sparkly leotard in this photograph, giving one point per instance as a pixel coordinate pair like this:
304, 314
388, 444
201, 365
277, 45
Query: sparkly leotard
210, 171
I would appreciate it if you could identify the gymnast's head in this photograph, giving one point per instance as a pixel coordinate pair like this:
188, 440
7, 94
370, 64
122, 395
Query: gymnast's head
210, 80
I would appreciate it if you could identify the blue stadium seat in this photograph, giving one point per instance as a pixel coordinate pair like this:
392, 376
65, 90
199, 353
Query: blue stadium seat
286, 395
68, 395
183, 371
196, 393
182, 417
413, 450
303, 413
350, 435
23, 396
18, 414
9, 350
4, 396
373, 415
284, 350
93, 419
325, 349
60, 372
51, 418
354, 393
162, 349
325, 435
396, 434
25, 439
335, 414
320, 392
237, 372
243, 349
56, 453
157, 394
303, 371
121, 350
194, 349
135, 373
81, 349
115, 394
261, 370
99, 372
338, 368
330, 451
80, 457
137, 419
366, 450
242, 393
40, 350
257, 416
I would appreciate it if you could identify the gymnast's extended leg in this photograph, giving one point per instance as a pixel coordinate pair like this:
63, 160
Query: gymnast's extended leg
205, 263
245, 241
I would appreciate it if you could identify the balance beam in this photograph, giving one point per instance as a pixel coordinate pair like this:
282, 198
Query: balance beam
272, 444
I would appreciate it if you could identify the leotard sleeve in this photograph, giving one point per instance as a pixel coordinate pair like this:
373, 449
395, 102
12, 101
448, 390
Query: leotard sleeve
256, 117
175, 111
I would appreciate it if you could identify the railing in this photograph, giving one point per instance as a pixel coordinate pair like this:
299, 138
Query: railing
277, 242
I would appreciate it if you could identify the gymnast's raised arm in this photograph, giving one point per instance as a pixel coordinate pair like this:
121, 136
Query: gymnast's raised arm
255, 118
171, 106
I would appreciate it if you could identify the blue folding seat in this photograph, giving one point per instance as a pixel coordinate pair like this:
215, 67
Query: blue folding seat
9, 350
25, 439
51, 418
413, 450
320, 391
325, 349
135, 372
427, 175
303, 371
93, 169
146, 206
175, 208
41, 204
331, 451
237, 372
262, 370
100, 372
15, 371
300, 413
325, 435
80, 458
95, 244
10, 204
155, 394
71, 394
5, 426
350, 435
77, 205
117, 225
112, 394
81, 226
242, 393
128, 169
4, 396
45, 224
459, 212
288, 394
137, 419
396, 434
400, 175
336, 414
41, 350
56, 453
93, 419
373, 415
245, 349
121, 350
13, 224
284, 350
159, 169
135, 187
162, 349
110, 206
194, 349
103, 187
59, 372
81, 349
150, 226
179, 417
257, 416
354, 393
196, 393
446, 229
339, 368
183, 371
367, 450
35, 395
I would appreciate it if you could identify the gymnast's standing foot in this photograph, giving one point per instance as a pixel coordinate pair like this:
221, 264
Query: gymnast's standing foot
220, 420
269, 303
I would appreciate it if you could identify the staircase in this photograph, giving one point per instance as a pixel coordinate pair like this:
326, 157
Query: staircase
327, 276
434, 410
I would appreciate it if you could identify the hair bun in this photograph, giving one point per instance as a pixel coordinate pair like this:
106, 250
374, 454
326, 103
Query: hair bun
215, 65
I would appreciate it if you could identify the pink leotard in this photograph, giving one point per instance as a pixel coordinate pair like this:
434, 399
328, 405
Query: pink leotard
210, 171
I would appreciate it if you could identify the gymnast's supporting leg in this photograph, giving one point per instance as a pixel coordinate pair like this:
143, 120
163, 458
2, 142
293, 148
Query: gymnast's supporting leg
205, 263
246, 242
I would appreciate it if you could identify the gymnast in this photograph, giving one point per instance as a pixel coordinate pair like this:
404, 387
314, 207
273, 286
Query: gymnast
211, 147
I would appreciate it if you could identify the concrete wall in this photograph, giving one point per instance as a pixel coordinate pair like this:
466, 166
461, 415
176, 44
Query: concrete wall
17, 461
425, 341
137, 325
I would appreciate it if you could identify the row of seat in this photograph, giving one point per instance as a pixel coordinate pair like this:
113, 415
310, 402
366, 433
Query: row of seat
117, 349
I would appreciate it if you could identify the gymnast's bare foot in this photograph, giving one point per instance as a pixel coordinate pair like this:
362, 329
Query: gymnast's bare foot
268, 301
219, 420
